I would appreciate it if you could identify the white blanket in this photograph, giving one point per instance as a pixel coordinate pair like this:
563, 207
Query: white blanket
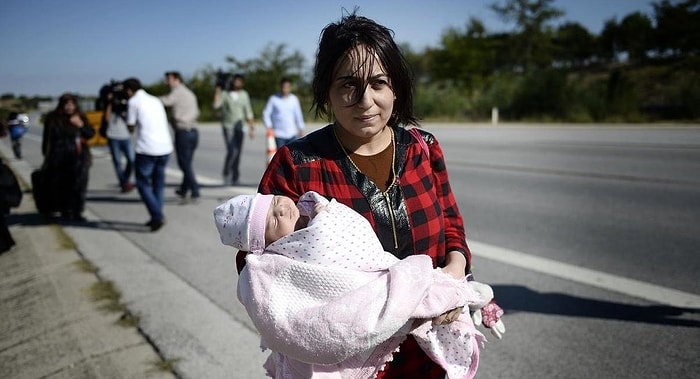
331, 303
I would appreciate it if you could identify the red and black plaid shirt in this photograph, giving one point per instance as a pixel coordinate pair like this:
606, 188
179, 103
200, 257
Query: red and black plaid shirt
425, 216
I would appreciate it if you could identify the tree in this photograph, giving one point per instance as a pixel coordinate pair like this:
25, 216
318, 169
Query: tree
264, 72
635, 32
417, 62
609, 41
677, 27
464, 58
575, 46
531, 17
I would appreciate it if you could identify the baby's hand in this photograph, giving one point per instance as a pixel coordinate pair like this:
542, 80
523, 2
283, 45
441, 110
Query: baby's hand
311, 203
318, 208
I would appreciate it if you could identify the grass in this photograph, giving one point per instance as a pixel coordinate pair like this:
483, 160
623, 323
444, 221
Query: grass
108, 294
167, 365
85, 265
64, 240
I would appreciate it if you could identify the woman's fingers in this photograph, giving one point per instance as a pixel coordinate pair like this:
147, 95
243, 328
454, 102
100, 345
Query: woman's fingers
448, 317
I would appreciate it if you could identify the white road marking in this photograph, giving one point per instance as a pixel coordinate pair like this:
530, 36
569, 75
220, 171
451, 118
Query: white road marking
201, 179
631, 287
614, 283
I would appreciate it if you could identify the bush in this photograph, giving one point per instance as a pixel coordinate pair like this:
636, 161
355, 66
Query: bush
440, 101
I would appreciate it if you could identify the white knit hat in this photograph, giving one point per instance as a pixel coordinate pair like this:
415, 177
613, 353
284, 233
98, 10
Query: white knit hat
241, 221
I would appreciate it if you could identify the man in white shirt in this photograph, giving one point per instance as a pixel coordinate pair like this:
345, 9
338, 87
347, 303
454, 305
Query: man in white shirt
147, 118
282, 114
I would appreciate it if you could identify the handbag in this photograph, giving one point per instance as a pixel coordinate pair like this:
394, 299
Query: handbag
10, 193
416, 134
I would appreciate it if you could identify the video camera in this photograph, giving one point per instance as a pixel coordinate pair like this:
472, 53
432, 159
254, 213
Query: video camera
118, 100
224, 80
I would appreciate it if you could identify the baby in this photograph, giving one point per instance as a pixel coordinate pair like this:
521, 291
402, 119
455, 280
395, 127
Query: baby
252, 222
320, 289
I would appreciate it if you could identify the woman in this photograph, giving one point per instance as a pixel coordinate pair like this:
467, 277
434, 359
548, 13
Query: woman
67, 157
367, 160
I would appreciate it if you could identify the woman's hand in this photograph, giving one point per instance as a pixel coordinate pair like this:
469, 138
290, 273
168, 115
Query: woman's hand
76, 121
456, 264
455, 267
448, 317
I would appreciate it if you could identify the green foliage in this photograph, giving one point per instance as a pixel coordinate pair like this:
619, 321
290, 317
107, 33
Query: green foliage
574, 46
636, 35
644, 67
440, 101
264, 72
499, 93
531, 18
542, 93
677, 27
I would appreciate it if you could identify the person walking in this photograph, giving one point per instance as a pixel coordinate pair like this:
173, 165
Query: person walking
282, 114
236, 111
146, 118
17, 126
185, 111
67, 158
119, 137
372, 158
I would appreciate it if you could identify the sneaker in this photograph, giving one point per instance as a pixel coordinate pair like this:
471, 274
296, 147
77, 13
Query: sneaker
128, 187
180, 193
155, 225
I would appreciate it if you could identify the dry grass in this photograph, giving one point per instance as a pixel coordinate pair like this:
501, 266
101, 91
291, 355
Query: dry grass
85, 265
167, 365
107, 293
64, 240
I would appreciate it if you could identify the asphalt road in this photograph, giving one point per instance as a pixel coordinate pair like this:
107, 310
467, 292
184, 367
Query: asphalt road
589, 236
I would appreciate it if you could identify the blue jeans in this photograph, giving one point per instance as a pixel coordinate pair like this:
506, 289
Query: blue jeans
185, 144
234, 145
150, 181
119, 148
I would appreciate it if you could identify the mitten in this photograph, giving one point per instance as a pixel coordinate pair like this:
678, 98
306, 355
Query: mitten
490, 317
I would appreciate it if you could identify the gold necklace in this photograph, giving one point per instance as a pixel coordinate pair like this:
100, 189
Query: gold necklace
393, 156
394, 180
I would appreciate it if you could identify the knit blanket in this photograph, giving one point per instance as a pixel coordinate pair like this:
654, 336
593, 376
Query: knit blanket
329, 302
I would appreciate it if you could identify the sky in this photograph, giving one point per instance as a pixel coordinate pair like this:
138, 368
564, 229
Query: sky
52, 47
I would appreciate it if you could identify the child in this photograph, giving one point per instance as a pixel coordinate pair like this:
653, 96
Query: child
326, 297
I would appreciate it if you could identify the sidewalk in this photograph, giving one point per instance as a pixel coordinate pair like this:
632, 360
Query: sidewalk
51, 325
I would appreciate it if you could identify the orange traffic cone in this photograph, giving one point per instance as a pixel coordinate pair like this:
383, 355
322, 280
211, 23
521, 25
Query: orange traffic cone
271, 144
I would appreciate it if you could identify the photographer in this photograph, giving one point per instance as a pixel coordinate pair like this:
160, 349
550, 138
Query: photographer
236, 110
115, 130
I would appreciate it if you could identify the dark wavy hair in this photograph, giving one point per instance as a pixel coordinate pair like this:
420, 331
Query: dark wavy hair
65, 98
336, 44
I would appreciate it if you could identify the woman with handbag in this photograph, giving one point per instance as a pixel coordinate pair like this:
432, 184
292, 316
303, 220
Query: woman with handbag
67, 158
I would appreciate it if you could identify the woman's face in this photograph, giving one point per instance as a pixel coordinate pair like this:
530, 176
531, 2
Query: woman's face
367, 116
69, 107
282, 218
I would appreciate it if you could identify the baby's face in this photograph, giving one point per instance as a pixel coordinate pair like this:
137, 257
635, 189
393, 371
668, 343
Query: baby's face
282, 218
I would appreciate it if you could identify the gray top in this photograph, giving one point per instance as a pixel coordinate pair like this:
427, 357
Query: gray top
183, 104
